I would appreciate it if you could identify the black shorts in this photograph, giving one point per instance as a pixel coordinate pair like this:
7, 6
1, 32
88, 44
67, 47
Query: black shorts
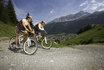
42, 32
19, 29
38, 32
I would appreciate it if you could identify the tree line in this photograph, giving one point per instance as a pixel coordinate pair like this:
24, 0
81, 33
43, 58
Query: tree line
86, 28
7, 13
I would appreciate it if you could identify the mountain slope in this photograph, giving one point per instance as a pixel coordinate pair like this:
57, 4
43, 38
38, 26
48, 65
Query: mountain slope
74, 26
71, 17
95, 35
6, 30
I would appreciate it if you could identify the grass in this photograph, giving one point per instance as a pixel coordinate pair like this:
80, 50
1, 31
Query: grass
6, 30
95, 35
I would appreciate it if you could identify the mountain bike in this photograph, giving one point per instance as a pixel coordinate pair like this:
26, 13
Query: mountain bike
45, 42
29, 45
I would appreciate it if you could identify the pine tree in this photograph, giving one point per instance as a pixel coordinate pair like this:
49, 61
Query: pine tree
11, 12
1, 9
1, 6
3, 12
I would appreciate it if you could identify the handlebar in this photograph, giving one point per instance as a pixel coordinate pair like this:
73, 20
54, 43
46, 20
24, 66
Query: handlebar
28, 31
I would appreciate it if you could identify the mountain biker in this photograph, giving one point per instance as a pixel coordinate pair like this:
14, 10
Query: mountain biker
22, 27
39, 29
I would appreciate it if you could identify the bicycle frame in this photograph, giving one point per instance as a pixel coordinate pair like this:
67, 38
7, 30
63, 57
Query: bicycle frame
28, 40
43, 37
19, 40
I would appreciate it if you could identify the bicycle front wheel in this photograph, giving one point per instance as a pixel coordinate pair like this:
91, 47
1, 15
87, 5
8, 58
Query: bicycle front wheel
46, 44
30, 47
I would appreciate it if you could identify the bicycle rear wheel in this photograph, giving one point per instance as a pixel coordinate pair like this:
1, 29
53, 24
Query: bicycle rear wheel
12, 44
30, 47
46, 44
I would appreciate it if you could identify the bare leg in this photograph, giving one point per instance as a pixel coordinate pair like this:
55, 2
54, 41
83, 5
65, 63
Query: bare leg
40, 36
17, 35
25, 34
34, 35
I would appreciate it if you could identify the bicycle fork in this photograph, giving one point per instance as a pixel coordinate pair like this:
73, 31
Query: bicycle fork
45, 40
29, 42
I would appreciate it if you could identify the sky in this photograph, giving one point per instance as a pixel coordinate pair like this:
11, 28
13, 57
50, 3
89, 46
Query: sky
48, 10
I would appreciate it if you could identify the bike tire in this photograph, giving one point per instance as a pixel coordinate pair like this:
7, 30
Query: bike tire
12, 45
35, 46
44, 45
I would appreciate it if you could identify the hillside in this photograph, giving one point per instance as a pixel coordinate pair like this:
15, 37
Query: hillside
74, 26
6, 30
8, 18
95, 35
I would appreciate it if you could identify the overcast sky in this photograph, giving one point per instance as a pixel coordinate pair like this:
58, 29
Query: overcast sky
49, 9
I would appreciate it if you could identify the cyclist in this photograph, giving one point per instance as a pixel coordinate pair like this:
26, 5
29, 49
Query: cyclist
22, 27
39, 29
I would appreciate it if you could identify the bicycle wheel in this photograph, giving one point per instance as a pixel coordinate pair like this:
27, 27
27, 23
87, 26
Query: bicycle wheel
12, 44
46, 44
30, 47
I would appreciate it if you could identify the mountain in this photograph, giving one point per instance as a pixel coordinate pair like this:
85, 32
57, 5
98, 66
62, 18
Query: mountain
71, 17
75, 25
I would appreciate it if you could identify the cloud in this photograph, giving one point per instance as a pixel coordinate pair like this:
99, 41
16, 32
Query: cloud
84, 3
102, 9
93, 1
52, 11
92, 5
86, 8
19, 12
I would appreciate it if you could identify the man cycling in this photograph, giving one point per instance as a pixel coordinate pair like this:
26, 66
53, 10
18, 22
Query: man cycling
39, 29
22, 27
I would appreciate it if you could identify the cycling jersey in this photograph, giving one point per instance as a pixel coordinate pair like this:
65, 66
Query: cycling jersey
20, 23
20, 27
25, 21
38, 28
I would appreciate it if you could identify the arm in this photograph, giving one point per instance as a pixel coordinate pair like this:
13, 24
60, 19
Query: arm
23, 23
30, 28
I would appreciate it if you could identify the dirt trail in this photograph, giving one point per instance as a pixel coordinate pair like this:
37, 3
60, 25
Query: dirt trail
81, 57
